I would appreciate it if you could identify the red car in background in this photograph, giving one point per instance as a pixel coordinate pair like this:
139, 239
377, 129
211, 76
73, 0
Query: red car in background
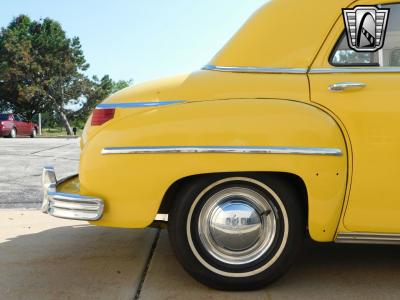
13, 125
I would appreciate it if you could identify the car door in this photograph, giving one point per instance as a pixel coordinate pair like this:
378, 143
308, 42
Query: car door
25, 125
18, 124
363, 91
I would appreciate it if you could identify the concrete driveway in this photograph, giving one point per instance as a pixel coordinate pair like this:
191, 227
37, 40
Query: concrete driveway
46, 258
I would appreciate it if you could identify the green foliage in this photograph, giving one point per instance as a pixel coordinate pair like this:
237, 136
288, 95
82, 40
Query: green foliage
98, 90
41, 70
121, 84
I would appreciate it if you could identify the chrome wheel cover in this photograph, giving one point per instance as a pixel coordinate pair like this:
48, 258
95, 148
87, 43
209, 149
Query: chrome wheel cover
268, 263
13, 133
237, 225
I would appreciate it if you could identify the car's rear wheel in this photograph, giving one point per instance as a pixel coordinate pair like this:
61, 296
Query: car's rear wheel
34, 133
13, 133
237, 233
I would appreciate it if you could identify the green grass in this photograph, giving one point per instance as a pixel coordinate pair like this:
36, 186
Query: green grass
59, 131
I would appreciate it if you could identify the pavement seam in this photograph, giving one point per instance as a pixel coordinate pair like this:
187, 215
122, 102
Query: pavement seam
147, 265
59, 157
49, 149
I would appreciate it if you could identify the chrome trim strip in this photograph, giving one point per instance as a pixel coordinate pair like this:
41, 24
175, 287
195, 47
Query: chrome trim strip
367, 238
355, 70
223, 149
137, 104
274, 70
256, 69
161, 217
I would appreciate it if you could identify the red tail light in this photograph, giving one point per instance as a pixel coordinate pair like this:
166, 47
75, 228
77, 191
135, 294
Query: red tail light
102, 115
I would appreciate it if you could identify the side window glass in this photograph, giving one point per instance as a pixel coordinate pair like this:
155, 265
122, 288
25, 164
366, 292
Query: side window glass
344, 56
389, 56
16, 118
391, 49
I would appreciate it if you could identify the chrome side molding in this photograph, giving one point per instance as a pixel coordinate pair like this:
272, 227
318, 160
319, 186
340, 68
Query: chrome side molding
138, 104
276, 70
367, 238
223, 149
267, 70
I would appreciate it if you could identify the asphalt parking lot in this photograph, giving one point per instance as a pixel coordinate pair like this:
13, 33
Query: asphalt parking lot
46, 258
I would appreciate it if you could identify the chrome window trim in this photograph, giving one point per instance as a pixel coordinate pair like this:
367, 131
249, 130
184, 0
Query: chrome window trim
256, 69
355, 70
367, 238
222, 149
137, 104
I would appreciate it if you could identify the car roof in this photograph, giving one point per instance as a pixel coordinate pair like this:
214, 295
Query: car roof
282, 34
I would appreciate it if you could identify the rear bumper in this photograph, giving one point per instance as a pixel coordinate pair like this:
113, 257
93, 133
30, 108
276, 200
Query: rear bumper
66, 205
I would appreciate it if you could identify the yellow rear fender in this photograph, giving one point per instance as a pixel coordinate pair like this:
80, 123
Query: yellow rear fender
131, 163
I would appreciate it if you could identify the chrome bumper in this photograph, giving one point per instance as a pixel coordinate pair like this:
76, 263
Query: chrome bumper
68, 206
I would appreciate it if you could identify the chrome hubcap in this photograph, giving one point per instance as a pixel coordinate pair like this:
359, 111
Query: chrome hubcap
237, 225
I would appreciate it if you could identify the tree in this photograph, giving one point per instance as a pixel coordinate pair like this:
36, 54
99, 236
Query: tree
96, 91
19, 85
40, 68
120, 84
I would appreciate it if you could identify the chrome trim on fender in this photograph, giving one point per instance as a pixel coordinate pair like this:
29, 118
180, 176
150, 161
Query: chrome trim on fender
137, 104
222, 149
256, 69
367, 238
355, 70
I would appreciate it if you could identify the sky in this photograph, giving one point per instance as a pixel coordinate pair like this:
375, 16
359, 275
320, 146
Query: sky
142, 40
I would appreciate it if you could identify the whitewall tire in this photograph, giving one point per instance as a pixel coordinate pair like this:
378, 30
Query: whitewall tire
237, 232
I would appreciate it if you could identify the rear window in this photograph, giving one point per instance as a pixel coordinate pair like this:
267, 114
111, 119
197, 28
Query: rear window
3, 117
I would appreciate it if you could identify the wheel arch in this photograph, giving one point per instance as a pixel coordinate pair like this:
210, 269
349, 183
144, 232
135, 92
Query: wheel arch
292, 179
239, 123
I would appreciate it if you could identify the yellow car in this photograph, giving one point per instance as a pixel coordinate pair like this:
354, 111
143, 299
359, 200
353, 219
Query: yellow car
288, 131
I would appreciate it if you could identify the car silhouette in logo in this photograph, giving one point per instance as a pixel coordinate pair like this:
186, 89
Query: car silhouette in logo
366, 27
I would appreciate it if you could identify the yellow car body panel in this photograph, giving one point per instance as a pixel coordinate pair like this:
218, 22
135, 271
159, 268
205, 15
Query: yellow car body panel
256, 109
207, 85
70, 185
283, 34
133, 185
371, 119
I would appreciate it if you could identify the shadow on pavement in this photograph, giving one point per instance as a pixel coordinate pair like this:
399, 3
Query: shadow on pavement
85, 262
322, 271
76, 262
